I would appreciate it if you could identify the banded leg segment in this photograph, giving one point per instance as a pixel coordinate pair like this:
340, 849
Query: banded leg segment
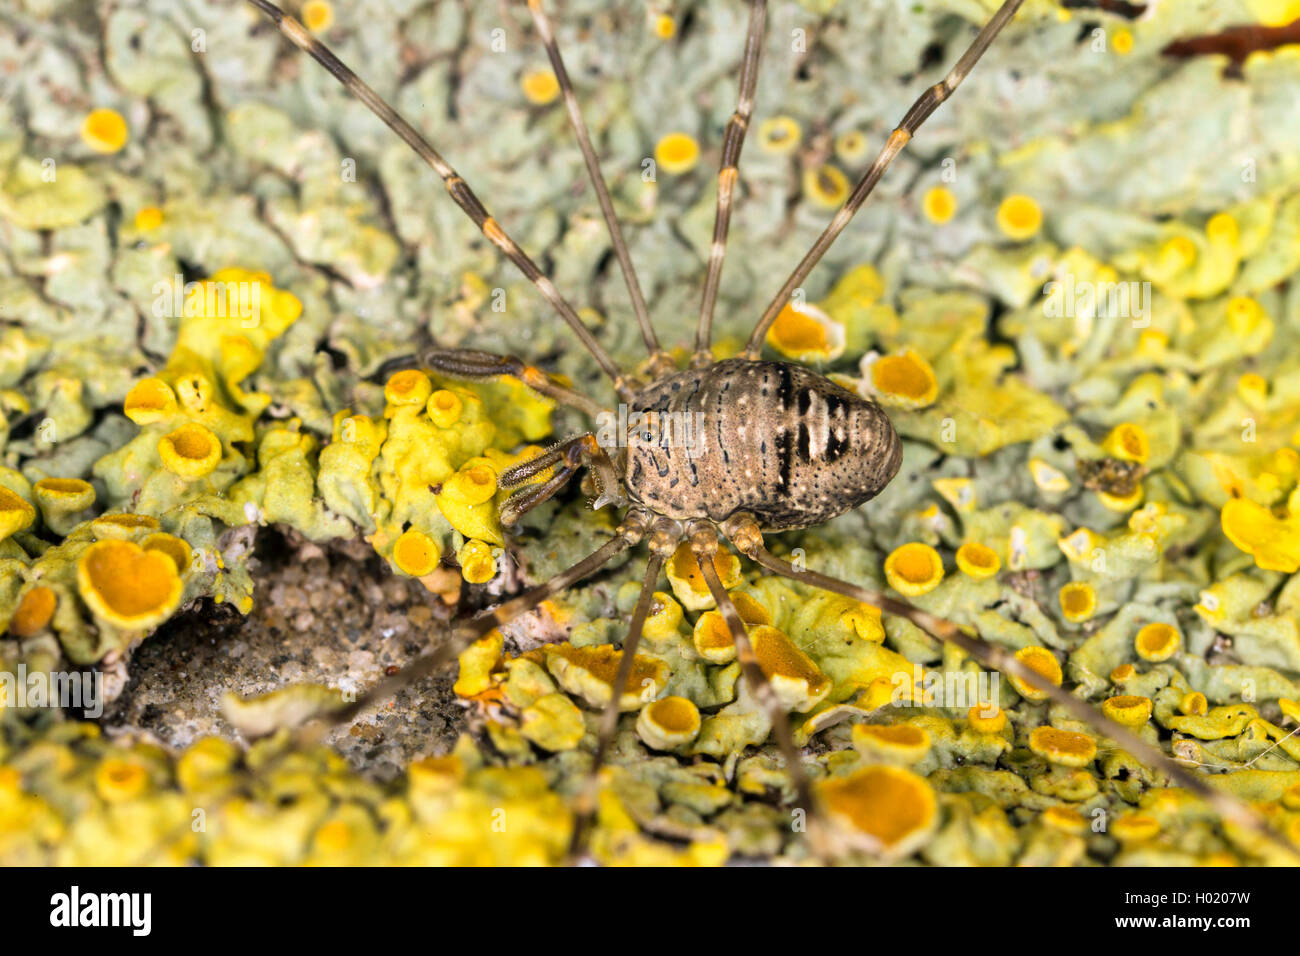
473, 365
926, 104
704, 545
733, 141
570, 454
586, 806
661, 360
458, 189
743, 531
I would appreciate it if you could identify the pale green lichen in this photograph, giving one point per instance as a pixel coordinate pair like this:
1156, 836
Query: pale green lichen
1141, 452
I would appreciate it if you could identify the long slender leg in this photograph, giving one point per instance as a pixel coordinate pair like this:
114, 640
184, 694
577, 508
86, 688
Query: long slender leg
661, 361
744, 533
704, 545
926, 104
456, 186
586, 804
733, 141
571, 454
473, 365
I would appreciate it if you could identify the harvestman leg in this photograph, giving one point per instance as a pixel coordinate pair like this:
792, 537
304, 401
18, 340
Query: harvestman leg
473, 365
660, 360
733, 141
926, 104
704, 545
744, 533
459, 190
570, 454
586, 803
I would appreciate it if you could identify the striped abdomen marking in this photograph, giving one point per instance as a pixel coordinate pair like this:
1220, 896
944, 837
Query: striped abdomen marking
774, 439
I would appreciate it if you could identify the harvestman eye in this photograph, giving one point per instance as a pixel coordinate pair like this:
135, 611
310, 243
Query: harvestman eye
781, 447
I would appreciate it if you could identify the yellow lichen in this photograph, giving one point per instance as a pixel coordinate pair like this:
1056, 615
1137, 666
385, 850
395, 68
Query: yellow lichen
903, 743
664, 618
34, 612
895, 809
444, 408
540, 87
148, 218
178, 549
977, 560
477, 662
1019, 217
1127, 442
905, 380
553, 722
190, 451
668, 723
128, 586
687, 579
805, 333
317, 15
1273, 541
677, 153
1127, 709
104, 130
779, 135
939, 204
712, 638
1157, 641
1041, 661
477, 563
16, 513
914, 569
1048, 478
407, 387
986, 719
119, 780
1135, 828
590, 673
825, 186
149, 400
1066, 820
62, 501
415, 553
118, 526
1078, 601
1064, 748
1122, 673
794, 676
851, 146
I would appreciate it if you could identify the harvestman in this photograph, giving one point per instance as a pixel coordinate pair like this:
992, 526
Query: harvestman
830, 450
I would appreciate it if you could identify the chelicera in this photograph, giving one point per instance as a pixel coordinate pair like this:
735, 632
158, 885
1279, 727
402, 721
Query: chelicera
780, 448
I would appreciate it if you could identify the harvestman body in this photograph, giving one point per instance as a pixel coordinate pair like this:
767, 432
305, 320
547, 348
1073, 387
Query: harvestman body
781, 447
778, 441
